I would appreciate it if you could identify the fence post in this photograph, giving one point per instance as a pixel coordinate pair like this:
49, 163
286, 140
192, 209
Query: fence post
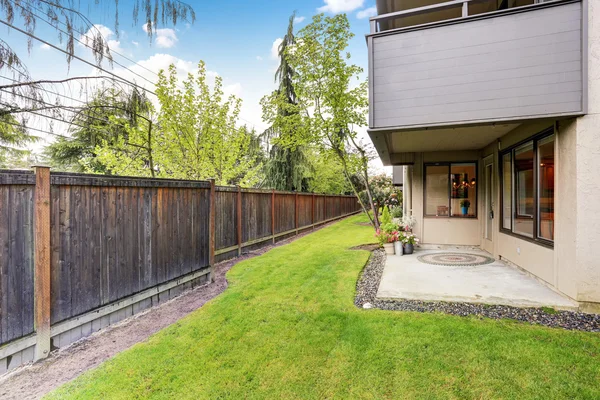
296, 214
273, 215
239, 219
42, 261
340, 213
313, 212
212, 231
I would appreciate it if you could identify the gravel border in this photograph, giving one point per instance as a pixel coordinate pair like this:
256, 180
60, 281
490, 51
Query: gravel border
368, 283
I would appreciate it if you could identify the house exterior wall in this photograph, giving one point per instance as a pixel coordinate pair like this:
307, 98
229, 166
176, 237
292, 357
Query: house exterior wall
512, 66
572, 265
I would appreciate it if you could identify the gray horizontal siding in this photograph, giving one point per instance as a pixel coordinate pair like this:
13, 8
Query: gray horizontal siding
510, 66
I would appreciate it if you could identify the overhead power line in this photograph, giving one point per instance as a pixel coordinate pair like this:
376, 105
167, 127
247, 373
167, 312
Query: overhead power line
76, 57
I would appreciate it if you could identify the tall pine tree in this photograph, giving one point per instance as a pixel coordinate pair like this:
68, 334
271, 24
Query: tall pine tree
287, 168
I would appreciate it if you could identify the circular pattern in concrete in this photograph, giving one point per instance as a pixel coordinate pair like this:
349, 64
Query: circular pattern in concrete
455, 259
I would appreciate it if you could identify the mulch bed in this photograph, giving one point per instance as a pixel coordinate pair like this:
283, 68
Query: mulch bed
368, 283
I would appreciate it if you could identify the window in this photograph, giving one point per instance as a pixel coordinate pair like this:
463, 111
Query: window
546, 188
528, 188
450, 190
507, 191
523, 170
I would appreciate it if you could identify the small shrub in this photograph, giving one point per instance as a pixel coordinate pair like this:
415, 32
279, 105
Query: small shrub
396, 212
385, 216
389, 227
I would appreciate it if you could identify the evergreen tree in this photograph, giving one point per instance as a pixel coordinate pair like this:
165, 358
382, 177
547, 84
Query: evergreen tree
288, 168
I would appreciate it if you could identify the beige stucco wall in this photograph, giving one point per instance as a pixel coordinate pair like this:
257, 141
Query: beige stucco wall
532, 257
459, 231
578, 241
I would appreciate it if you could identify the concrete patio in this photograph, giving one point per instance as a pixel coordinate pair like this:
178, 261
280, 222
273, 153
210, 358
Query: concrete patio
493, 282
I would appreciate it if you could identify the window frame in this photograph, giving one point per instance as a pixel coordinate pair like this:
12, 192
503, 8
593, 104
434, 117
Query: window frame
449, 164
535, 238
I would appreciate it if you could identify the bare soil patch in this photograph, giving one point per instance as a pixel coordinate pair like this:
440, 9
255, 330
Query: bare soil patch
35, 380
368, 247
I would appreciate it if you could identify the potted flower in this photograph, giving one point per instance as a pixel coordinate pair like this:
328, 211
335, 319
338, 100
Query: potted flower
409, 241
408, 223
386, 240
464, 205
399, 244
387, 234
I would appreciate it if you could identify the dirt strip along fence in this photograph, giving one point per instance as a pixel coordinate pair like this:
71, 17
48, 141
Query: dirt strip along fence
72, 245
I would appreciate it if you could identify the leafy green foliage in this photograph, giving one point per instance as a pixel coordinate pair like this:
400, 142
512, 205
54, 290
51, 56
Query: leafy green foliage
109, 118
396, 211
330, 106
383, 191
385, 216
13, 140
287, 168
195, 137
287, 327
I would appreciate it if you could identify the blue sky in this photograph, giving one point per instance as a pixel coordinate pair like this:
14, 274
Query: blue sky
234, 37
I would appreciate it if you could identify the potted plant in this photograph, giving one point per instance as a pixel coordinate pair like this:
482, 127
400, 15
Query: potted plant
386, 235
464, 205
386, 240
409, 240
408, 223
399, 245
396, 214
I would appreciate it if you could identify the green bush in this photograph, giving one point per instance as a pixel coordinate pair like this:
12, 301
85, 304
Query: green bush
396, 212
385, 216
389, 227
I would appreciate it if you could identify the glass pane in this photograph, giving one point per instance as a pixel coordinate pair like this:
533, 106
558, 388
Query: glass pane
507, 191
489, 201
524, 187
546, 188
436, 190
463, 197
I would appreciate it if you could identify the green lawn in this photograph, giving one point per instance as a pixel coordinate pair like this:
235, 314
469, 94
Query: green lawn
287, 328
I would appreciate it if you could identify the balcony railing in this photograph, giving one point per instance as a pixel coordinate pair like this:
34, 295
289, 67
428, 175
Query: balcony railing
462, 6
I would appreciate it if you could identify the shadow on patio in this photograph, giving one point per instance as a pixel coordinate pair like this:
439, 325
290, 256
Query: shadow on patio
471, 276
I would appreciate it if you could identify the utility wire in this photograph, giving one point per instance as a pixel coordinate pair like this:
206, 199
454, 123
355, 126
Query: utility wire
67, 108
76, 57
38, 130
112, 51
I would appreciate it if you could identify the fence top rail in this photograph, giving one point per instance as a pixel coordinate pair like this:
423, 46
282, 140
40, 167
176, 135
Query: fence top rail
16, 177
74, 179
25, 177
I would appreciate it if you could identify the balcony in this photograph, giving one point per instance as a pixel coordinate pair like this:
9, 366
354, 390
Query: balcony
458, 64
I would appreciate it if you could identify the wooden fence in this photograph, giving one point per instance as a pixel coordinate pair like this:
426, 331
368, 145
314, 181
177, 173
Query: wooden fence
73, 243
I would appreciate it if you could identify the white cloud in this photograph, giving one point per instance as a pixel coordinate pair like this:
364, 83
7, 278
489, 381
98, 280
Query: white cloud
338, 6
367, 12
164, 38
259, 58
275, 48
136, 44
105, 34
45, 46
233, 89
299, 20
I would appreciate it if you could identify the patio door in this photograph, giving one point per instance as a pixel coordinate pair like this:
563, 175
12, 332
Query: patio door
488, 228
